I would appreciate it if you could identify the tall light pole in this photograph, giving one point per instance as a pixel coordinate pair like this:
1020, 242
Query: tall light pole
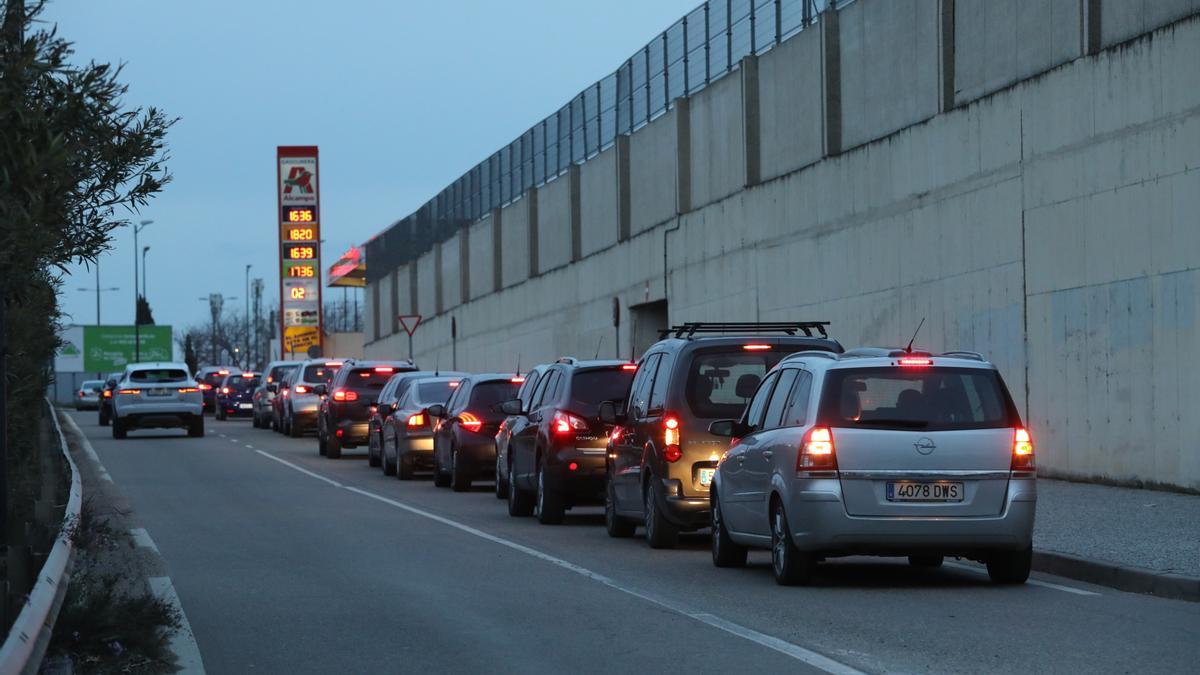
247, 341
137, 328
145, 249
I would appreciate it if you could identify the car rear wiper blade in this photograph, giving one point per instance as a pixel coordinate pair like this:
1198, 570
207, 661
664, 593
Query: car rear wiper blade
912, 424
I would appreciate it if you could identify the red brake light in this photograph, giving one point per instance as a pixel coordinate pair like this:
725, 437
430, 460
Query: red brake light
301, 389
107, 393
517, 380
565, 423
818, 452
573, 466
130, 391
471, 422
384, 369
417, 420
205, 386
345, 395
915, 362
756, 348
333, 364
1023, 455
629, 366
672, 453
224, 390
453, 384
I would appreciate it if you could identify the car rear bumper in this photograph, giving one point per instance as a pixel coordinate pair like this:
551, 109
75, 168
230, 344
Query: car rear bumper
586, 482
159, 419
820, 523
353, 432
415, 445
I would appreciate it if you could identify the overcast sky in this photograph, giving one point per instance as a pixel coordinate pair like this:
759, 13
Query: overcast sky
402, 96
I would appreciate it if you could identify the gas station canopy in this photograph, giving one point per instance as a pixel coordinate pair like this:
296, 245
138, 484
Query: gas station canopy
349, 270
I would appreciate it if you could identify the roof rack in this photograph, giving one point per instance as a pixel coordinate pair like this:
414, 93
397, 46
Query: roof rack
687, 330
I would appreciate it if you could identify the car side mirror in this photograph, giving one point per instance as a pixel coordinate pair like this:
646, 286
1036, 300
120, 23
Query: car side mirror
726, 428
511, 407
320, 390
437, 410
609, 414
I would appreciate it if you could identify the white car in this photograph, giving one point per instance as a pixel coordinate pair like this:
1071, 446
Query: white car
877, 452
87, 397
157, 396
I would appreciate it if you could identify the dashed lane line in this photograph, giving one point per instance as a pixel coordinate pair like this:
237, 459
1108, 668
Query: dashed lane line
141, 538
807, 656
183, 640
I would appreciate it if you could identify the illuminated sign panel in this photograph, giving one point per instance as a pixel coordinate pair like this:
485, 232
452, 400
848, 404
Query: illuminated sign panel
299, 250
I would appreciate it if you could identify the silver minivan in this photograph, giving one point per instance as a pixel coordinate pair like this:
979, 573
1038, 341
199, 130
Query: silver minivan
877, 452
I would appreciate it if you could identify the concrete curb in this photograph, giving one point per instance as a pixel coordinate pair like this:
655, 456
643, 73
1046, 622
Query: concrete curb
1120, 577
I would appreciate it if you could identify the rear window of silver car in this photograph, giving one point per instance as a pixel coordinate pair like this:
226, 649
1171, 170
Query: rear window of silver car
151, 376
923, 398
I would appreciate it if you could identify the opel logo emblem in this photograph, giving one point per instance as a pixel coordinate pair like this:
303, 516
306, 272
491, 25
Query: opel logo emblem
924, 446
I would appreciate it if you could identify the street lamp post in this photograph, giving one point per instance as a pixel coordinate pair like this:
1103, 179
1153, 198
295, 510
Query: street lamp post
246, 353
145, 249
137, 329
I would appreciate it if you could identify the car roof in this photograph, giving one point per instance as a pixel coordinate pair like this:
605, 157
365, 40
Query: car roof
880, 357
477, 378
148, 365
705, 341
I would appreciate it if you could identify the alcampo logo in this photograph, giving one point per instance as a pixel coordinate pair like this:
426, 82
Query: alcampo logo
299, 178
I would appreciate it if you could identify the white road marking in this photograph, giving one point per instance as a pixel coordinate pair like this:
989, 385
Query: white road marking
142, 538
234, 441
183, 641
88, 449
249, 446
1031, 582
797, 652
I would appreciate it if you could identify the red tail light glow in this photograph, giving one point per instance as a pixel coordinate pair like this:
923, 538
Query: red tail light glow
333, 364
345, 395
417, 420
384, 369
818, 452
572, 467
222, 372
564, 423
517, 380
1023, 455
914, 362
453, 384
130, 391
204, 386
108, 393
301, 389
224, 390
471, 422
188, 390
629, 366
756, 348
672, 452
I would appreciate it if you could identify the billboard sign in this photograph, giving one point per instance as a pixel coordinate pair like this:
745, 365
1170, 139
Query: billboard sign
111, 348
299, 228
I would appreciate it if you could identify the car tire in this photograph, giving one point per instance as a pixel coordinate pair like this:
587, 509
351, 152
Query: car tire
550, 507
520, 502
501, 484
791, 566
389, 467
274, 423
118, 428
220, 414
926, 561
373, 457
725, 551
439, 479
333, 447
294, 429
460, 474
404, 465
103, 418
660, 532
616, 526
1010, 567
196, 427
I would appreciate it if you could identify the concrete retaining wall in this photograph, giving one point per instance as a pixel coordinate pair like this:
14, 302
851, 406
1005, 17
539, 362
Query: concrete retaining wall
1050, 224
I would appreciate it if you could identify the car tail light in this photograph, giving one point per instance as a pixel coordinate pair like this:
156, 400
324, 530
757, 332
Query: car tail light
224, 390
471, 422
915, 362
130, 391
756, 348
573, 466
817, 452
384, 369
629, 366
188, 390
565, 424
222, 372
1023, 455
417, 420
517, 380
205, 386
672, 453
333, 364
345, 395
301, 389
339, 433
108, 393
454, 384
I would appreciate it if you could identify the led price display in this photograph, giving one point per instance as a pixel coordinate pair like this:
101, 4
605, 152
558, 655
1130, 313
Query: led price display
301, 253
299, 234
298, 293
299, 214
301, 272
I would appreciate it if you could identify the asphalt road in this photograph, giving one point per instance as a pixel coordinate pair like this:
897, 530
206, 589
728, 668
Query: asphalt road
288, 562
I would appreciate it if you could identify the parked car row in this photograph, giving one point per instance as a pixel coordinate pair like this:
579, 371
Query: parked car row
768, 435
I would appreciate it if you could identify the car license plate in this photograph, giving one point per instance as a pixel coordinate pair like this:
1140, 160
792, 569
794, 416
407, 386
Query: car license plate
245, 406
706, 476
916, 491
158, 392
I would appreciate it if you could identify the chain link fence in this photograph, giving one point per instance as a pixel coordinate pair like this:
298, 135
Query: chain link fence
698, 49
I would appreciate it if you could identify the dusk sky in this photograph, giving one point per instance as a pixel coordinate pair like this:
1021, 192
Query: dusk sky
401, 96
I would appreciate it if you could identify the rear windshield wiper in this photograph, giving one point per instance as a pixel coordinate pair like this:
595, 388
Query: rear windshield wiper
911, 424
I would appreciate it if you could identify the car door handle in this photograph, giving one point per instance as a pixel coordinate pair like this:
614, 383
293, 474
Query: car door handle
767, 454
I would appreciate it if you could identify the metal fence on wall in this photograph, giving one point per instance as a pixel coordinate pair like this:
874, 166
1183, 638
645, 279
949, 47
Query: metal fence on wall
698, 49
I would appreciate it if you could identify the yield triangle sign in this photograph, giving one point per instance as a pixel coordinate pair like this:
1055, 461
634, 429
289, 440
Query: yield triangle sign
409, 322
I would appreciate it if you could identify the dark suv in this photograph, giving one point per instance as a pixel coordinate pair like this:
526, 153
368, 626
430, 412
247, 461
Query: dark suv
209, 379
347, 401
504, 434
557, 451
661, 457
464, 438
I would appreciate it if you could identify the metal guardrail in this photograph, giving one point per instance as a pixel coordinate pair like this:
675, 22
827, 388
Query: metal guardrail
695, 51
30, 634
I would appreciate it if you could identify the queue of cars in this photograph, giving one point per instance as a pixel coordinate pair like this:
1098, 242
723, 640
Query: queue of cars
768, 435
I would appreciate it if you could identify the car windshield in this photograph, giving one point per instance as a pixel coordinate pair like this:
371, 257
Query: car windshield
929, 399
365, 380
720, 383
240, 383
590, 388
429, 393
153, 375
320, 373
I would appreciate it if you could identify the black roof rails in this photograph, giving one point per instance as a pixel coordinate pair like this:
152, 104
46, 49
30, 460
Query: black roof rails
687, 330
